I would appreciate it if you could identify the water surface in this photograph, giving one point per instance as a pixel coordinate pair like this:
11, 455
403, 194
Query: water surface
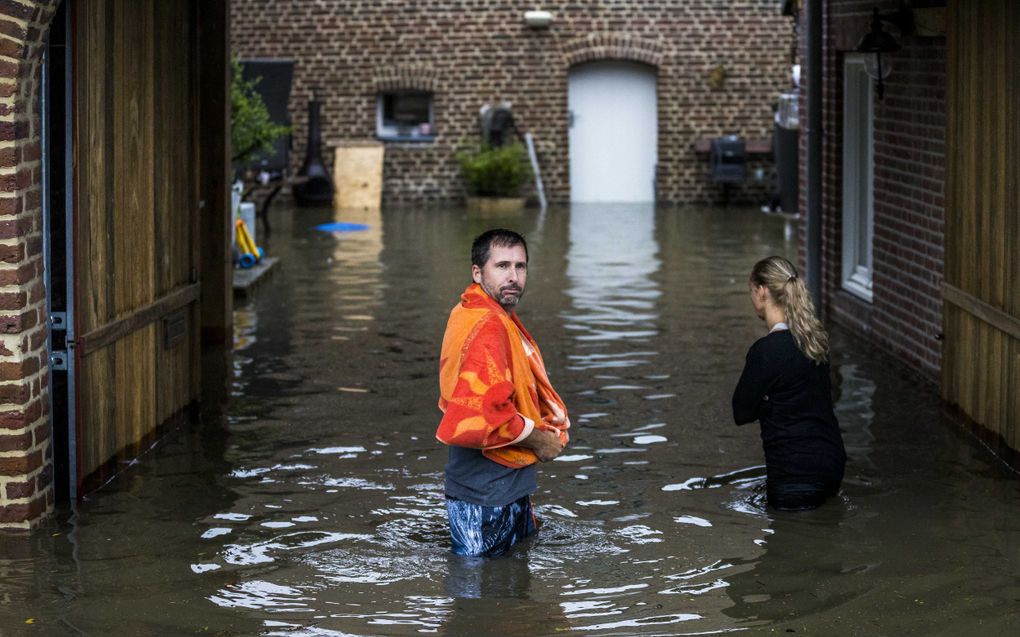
314, 505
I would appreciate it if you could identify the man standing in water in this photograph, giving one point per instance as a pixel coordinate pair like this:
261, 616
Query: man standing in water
500, 413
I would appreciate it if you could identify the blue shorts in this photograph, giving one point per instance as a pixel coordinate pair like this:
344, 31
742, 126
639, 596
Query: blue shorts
482, 531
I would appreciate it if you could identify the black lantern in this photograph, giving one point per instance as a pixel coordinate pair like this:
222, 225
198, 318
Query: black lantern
878, 41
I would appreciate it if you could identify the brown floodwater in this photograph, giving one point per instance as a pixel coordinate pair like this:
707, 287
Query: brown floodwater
314, 506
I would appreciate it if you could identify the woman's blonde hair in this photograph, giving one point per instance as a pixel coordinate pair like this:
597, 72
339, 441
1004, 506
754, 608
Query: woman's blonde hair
787, 289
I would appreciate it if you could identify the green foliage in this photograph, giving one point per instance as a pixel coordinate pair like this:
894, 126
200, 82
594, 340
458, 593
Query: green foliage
251, 129
495, 172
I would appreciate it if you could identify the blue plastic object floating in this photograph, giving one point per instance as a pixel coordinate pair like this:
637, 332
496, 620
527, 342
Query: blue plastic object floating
342, 226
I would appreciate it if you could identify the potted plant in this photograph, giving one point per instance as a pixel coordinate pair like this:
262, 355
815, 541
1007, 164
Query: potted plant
494, 177
252, 130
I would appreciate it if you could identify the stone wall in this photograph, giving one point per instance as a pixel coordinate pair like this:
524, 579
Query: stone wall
472, 52
26, 490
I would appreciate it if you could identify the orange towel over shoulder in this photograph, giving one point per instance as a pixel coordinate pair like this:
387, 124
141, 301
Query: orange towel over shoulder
490, 385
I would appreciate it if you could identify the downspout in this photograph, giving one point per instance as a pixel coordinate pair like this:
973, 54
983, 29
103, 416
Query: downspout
814, 151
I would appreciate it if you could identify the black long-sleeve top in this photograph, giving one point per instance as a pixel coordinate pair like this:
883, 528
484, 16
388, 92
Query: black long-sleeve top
791, 396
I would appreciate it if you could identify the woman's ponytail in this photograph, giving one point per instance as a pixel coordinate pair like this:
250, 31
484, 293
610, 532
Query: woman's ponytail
787, 289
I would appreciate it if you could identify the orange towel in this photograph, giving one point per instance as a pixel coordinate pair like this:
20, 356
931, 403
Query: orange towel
489, 383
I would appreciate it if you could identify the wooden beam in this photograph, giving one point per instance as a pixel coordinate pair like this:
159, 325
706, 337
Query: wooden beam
99, 338
214, 171
981, 310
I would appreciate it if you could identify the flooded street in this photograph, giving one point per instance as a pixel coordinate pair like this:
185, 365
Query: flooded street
315, 505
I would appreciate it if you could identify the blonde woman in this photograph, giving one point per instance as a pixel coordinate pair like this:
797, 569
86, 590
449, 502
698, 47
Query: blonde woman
785, 386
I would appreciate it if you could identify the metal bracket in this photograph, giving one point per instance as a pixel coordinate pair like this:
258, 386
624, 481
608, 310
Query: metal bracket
58, 361
58, 320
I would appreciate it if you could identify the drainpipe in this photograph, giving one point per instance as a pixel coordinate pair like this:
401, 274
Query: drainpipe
814, 150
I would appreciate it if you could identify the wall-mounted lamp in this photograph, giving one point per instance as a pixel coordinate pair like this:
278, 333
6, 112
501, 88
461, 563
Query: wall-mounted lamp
537, 19
879, 41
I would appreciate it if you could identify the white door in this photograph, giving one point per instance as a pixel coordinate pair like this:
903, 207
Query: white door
613, 132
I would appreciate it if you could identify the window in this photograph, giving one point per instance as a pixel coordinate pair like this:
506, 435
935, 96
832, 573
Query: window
405, 116
858, 177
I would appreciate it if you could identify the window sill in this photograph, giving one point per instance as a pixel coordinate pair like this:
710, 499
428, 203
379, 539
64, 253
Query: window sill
402, 138
857, 290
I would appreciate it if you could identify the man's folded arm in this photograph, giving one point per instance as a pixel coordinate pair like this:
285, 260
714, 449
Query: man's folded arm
482, 413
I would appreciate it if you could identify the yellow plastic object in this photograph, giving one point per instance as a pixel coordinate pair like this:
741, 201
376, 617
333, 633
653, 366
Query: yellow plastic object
244, 240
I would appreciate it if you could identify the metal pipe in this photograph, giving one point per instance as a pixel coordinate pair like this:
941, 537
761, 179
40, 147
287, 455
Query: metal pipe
814, 150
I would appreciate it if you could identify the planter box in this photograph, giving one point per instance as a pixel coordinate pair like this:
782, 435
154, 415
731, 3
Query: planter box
495, 206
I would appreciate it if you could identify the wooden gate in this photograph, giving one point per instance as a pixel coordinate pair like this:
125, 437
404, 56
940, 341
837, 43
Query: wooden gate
135, 257
981, 359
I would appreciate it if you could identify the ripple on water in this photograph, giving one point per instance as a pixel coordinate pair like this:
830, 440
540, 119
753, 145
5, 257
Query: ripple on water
654, 620
379, 566
262, 595
265, 552
692, 520
640, 534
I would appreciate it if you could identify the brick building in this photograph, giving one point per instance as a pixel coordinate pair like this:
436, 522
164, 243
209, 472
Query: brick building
718, 68
919, 250
895, 300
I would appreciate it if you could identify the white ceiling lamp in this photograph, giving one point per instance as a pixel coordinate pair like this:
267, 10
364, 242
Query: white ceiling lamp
537, 19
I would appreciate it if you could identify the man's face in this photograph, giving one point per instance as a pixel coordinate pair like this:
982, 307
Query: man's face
503, 276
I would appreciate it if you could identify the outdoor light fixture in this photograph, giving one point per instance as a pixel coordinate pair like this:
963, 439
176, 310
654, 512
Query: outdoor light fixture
879, 41
537, 19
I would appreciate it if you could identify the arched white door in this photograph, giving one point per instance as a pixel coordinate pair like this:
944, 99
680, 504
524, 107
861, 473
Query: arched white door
613, 132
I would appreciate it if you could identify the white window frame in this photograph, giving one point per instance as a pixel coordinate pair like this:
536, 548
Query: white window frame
387, 132
858, 177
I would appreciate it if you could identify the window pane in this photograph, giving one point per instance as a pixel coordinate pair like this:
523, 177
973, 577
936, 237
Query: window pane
404, 109
405, 116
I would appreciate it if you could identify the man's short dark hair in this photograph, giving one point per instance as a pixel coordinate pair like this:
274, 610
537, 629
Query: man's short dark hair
500, 237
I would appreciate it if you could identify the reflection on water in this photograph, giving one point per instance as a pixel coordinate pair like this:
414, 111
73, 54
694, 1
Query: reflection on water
315, 506
610, 266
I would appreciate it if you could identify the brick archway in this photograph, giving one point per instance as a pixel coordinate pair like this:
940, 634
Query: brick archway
26, 490
612, 46
405, 77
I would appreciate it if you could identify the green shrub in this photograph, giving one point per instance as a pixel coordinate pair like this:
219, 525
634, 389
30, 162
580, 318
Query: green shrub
495, 172
251, 129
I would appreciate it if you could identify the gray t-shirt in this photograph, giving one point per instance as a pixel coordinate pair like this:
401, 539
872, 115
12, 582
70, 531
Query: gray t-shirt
472, 477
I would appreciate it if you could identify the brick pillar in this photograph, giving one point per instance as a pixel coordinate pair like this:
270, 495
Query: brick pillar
26, 455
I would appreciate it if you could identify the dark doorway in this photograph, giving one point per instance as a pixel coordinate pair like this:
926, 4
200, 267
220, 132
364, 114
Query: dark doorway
57, 207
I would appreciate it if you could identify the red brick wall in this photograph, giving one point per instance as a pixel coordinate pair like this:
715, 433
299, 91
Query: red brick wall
25, 452
905, 315
475, 51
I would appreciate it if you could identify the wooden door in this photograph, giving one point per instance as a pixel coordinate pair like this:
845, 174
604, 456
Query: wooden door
981, 359
135, 245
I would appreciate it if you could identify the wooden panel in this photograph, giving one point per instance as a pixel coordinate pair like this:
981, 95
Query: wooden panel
357, 175
175, 209
981, 359
136, 218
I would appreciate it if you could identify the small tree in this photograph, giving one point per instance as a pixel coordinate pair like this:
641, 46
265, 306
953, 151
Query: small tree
495, 172
251, 129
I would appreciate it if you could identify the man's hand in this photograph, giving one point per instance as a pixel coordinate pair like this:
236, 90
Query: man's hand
544, 442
